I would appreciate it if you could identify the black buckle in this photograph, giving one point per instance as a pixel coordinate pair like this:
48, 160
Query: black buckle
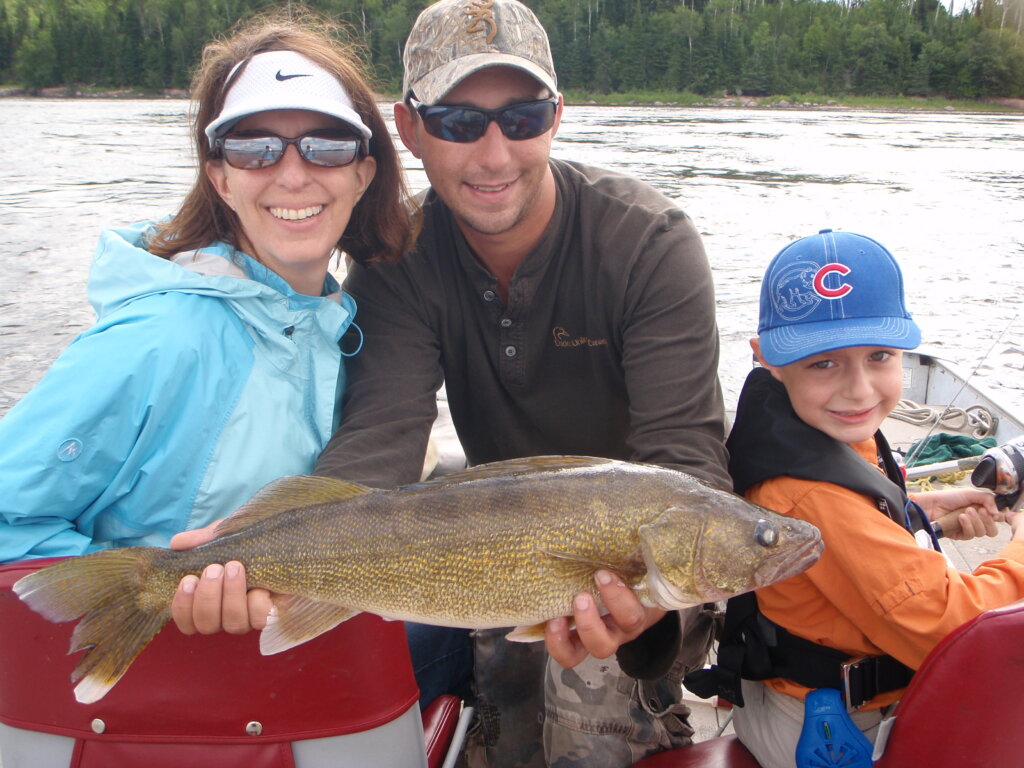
715, 681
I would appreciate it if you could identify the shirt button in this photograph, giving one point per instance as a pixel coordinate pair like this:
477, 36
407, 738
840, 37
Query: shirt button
490, 295
506, 322
510, 351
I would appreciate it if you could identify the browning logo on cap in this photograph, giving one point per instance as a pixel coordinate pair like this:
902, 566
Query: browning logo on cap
481, 18
452, 39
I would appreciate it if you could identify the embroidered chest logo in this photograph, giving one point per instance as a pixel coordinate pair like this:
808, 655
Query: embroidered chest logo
563, 338
481, 19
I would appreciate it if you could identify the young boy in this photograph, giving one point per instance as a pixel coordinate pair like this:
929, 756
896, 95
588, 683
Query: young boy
806, 443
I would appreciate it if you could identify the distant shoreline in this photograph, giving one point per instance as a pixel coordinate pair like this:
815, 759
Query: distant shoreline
1000, 106
62, 92
903, 104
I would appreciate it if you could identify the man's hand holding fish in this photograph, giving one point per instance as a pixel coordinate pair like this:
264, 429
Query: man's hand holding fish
596, 634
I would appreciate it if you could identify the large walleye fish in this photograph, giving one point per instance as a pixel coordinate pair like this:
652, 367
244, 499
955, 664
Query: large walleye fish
506, 544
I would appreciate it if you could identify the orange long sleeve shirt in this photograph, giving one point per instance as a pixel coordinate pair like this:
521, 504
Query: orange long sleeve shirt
874, 590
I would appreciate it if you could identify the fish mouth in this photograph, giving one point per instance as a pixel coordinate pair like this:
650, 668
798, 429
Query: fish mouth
796, 560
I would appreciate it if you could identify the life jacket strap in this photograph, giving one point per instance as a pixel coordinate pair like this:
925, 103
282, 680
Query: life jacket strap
752, 647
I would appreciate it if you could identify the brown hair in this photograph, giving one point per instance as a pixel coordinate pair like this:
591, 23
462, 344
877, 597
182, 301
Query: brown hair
380, 228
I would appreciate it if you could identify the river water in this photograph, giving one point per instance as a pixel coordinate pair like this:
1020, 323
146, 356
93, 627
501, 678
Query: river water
945, 193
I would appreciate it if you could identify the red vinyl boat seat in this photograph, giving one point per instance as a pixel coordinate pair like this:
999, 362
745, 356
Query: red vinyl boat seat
723, 752
208, 701
963, 709
440, 719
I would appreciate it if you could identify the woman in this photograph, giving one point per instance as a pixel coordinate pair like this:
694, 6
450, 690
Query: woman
214, 366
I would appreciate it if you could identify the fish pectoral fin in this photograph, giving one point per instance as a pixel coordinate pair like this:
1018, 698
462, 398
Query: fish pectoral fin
623, 569
527, 634
289, 493
296, 620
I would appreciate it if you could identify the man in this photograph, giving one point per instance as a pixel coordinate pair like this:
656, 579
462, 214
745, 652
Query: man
567, 310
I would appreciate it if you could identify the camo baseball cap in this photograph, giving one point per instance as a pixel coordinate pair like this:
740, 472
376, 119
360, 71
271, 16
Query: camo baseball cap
452, 39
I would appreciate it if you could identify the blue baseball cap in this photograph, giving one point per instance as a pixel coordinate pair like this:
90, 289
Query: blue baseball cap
832, 290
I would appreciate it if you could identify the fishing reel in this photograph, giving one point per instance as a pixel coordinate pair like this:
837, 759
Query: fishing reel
1001, 470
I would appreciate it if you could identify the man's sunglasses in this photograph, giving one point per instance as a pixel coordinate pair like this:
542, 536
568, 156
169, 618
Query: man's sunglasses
250, 152
526, 120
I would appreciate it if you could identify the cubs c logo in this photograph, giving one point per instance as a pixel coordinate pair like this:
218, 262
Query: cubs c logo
831, 293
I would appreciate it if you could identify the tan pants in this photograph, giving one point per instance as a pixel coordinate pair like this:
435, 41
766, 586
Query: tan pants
770, 722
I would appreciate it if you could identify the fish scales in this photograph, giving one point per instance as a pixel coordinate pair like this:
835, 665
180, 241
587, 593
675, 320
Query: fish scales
494, 558
501, 545
443, 547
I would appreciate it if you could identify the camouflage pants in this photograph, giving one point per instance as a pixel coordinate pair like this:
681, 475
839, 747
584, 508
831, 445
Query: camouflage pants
532, 713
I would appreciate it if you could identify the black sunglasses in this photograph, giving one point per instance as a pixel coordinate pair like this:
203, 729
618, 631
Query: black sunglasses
250, 152
526, 120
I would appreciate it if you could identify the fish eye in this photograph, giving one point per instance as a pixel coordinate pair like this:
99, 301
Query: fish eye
766, 533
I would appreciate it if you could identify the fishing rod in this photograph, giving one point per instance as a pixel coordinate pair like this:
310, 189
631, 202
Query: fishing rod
917, 447
949, 524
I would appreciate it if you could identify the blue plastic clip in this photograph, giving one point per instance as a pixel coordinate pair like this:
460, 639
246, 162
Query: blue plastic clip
829, 738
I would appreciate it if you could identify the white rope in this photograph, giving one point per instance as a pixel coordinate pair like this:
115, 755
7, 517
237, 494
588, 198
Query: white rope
976, 419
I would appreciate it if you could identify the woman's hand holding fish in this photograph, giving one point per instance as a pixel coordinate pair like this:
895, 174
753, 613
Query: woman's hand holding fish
219, 600
597, 635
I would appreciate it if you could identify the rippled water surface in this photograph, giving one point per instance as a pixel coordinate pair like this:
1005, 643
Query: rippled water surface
944, 192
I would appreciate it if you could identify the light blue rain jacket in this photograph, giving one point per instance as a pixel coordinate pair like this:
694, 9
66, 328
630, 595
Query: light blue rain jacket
201, 381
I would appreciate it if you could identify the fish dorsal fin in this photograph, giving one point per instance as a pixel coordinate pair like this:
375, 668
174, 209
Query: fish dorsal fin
289, 493
296, 620
593, 566
511, 467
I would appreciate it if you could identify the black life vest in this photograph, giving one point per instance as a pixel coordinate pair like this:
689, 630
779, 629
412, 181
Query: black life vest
769, 440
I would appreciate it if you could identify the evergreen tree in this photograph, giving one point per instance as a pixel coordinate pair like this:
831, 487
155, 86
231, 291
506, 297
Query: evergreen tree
704, 46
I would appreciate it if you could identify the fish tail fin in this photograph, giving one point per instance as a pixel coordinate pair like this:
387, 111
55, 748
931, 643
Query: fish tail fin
119, 615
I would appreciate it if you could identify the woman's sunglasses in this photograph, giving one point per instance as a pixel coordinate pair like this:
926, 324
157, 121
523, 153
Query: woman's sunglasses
250, 152
526, 120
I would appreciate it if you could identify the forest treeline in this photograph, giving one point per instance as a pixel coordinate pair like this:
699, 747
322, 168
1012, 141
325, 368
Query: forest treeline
835, 47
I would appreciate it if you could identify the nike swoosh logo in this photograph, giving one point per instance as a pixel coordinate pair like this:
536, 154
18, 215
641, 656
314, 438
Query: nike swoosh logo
279, 76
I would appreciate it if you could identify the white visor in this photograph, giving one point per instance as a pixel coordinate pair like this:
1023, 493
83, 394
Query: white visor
284, 80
